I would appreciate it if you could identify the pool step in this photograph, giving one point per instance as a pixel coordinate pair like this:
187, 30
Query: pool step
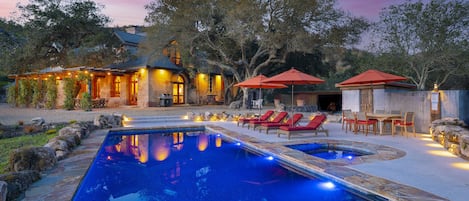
154, 119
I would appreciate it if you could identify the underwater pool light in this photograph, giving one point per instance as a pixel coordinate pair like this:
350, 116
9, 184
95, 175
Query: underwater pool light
270, 158
327, 185
238, 144
350, 157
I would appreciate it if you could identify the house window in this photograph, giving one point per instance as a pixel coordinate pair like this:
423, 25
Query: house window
116, 86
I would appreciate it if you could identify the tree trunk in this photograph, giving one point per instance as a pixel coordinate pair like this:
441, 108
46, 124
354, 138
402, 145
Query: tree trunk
246, 100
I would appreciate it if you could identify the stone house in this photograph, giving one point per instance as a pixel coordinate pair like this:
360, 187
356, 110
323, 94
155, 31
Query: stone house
142, 81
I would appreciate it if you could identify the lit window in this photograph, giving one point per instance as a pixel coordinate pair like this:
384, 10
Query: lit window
116, 86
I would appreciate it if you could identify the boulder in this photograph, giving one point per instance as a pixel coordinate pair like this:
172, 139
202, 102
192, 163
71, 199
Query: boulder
32, 158
66, 131
60, 147
464, 146
38, 121
453, 134
3, 190
108, 121
18, 182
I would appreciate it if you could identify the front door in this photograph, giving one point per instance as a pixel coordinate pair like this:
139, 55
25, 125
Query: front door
133, 89
366, 100
178, 91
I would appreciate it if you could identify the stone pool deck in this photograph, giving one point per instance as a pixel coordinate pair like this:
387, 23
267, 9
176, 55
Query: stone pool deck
403, 168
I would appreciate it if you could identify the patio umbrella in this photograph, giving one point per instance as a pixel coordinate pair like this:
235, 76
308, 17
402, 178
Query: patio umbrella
258, 82
372, 77
293, 77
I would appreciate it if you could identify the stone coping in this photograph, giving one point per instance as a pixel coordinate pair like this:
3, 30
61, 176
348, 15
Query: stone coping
337, 170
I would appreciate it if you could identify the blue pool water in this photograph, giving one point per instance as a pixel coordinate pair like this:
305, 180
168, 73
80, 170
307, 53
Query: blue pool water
194, 166
328, 152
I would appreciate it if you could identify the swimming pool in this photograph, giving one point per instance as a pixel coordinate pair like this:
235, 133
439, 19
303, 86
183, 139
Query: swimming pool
194, 165
329, 151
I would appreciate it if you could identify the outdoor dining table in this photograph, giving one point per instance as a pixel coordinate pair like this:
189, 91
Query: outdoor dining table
381, 118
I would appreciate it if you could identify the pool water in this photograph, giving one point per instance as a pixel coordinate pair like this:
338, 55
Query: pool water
329, 152
194, 166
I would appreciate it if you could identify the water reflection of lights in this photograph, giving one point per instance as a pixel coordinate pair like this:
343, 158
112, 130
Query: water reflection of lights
161, 148
218, 141
143, 148
202, 142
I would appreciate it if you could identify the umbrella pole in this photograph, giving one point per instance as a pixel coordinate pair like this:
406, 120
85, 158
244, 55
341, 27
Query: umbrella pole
260, 95
292, 87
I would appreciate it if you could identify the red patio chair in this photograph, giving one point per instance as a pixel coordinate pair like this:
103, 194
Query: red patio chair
364, 123
280, 116
315, 125
271, 125
264, 117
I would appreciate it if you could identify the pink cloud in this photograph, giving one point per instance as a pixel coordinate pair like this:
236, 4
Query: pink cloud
369, 9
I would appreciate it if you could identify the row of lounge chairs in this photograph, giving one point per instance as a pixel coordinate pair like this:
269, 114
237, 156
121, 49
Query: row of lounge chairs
289, 127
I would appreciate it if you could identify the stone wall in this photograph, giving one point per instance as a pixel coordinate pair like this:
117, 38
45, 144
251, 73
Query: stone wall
26, 164
453, 134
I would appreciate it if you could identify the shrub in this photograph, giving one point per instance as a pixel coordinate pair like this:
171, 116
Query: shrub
85, 102
38, 93
11, 95
24, 93
69, 91
51, 93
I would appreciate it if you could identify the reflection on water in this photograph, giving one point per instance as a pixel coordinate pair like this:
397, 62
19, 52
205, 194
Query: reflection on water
158, 146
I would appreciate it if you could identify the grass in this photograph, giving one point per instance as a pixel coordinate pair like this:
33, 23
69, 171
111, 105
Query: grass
10, 144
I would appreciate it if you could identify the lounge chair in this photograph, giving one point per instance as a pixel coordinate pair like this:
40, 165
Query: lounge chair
278, 118
315, 125
270, 125
264, 117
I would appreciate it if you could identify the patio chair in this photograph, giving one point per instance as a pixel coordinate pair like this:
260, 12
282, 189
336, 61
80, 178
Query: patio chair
364, 123
278, 118
315, 125
407, 121
270, 125
264, 117
389, 121
257, 103
344, 116
350, 121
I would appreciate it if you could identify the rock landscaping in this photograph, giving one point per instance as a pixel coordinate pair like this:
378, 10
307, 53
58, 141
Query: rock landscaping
453, 134
27, 163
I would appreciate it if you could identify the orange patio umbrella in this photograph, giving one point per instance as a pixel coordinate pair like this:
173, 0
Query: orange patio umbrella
294, 77
372, 77
258, 83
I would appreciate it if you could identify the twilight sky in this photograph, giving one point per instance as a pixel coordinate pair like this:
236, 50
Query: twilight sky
132, 12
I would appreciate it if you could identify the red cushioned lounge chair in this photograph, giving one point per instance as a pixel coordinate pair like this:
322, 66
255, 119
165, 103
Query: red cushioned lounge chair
270, 125
264, 117
278, 118
315, 125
